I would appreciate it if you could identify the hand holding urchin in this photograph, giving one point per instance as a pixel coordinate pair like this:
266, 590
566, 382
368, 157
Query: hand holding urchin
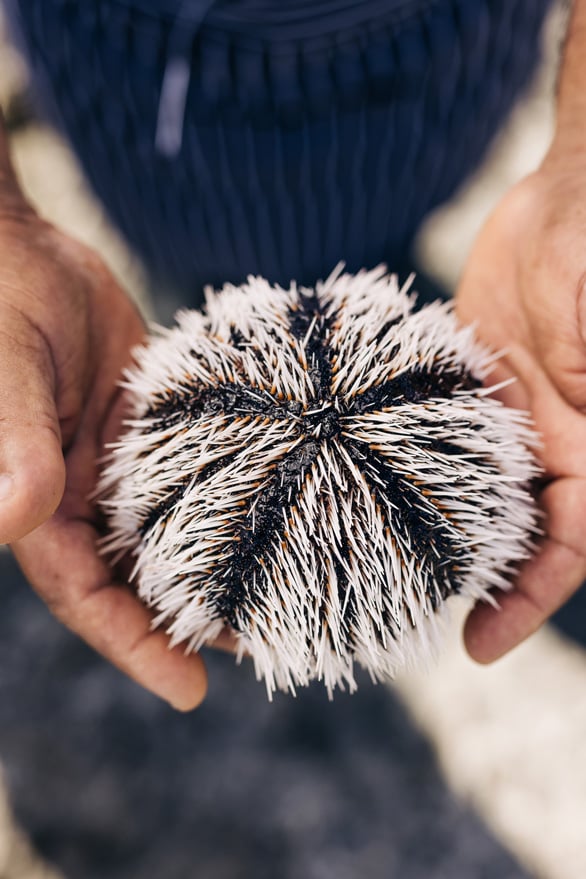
318, 470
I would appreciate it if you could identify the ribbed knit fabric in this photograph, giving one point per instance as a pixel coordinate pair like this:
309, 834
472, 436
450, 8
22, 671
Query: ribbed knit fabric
273, 136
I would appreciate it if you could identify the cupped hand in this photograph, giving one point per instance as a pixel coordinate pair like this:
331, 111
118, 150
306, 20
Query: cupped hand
525, 287
66, 332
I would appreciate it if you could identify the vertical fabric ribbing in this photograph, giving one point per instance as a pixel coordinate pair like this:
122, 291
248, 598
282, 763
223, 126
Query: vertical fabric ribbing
312, 132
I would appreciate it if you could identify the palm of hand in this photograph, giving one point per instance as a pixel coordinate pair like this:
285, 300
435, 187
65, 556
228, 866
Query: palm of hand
524, 286
72, 330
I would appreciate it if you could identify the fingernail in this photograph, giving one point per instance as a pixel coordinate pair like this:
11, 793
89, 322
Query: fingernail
6, 485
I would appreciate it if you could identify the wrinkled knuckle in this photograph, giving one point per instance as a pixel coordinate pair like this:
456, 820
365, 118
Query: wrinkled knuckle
19, 330
573, 389
580, 284
23, 340
580, 297
575, 548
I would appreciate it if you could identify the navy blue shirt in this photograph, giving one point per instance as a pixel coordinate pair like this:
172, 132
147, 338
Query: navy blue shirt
272, 136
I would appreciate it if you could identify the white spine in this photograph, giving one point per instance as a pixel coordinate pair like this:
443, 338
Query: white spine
334, 524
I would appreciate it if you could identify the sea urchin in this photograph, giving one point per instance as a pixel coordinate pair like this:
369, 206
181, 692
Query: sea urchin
318, 470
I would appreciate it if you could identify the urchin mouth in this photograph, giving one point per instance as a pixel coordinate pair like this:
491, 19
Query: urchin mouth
323, 421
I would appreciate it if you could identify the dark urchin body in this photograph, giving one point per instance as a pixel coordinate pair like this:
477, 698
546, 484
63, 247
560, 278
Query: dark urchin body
319, 470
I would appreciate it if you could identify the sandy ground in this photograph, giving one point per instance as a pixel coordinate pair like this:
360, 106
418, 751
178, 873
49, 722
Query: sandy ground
511, 740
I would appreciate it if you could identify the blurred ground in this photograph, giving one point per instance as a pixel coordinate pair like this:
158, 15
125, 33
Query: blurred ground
510, 740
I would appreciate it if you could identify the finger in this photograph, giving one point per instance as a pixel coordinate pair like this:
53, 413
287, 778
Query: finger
545, 583
32, 470
561, 428
61, 562
560, 348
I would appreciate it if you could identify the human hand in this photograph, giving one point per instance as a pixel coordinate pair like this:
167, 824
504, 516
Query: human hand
525, 287
66, 330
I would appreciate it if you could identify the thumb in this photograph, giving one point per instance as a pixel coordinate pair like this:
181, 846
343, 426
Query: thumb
558, 323
32, 469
